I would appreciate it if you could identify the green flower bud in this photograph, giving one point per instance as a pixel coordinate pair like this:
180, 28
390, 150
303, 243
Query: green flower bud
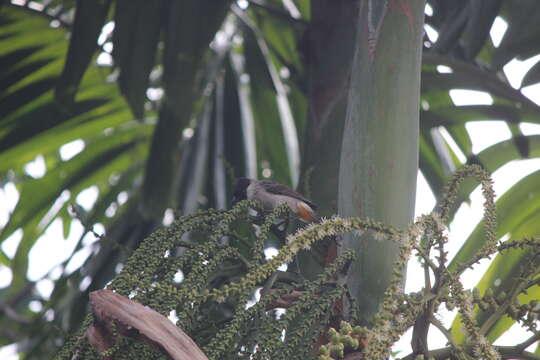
345, 327
323, 350
359, 330
476, 294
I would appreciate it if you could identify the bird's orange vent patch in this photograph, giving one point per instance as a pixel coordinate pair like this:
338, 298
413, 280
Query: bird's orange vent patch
305, 212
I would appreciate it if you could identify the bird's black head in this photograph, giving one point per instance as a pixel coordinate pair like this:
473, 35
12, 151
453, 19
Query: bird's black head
240, 190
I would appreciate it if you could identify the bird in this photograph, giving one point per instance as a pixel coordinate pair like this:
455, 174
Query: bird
272, 194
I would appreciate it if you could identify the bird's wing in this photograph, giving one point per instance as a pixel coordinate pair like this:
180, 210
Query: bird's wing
280, 189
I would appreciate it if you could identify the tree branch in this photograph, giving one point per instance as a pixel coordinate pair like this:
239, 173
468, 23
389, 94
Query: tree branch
528, 342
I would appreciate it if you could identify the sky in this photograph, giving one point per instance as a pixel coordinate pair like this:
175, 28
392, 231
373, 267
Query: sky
52, 249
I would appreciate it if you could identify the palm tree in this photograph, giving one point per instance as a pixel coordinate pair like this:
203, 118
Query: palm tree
173, 99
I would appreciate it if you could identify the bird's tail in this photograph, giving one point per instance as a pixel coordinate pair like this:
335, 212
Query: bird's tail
306, 213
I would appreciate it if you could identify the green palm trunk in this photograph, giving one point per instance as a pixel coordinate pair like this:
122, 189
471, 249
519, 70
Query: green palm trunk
379, 157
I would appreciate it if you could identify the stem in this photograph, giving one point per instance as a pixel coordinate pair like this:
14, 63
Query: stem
443, 330
528, 342
427, 260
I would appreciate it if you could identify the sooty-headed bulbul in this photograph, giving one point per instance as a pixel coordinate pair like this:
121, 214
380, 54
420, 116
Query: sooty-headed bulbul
271, 194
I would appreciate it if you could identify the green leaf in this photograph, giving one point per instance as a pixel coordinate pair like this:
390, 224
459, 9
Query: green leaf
460, 115
532, 76
137, 28
27, 93
11, 76
24, 95
304, 6
280, 37
473, 79
87, 124
247, 122
184, 50
270, 139
430, 165
19, 264
66, 221
65, 175
452, 17
218, 181
195, 164
522, 38
461, 137
191, 25
235, 135
89, 20
50, 117
482, 13
4, 259
259, 65
15, 24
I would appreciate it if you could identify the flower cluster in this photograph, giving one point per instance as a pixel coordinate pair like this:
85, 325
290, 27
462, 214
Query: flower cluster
209, 267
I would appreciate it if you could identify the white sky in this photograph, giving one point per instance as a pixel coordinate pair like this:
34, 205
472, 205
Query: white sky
51, 249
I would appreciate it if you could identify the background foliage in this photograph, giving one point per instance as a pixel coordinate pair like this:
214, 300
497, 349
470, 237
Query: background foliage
183, 94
